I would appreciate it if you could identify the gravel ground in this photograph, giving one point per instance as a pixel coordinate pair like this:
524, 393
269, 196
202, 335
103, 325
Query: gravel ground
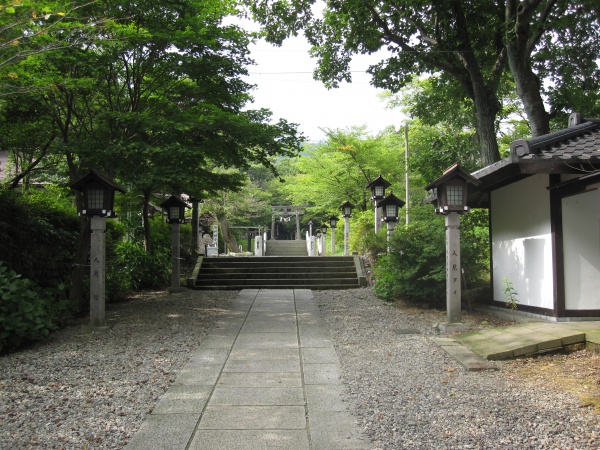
409, 394
79, 390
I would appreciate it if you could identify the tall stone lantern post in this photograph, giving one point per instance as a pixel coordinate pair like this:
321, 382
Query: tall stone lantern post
98, 203
451, 192
346, 214
175, 208
378, 187
323, 239
390, 206
333, 220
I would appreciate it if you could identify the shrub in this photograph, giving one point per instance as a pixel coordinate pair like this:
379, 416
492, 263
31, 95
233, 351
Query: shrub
363, 238
44, 214
145, 270
129, 266
27, 312
415, 269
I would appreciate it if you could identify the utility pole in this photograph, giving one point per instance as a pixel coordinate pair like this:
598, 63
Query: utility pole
406, 173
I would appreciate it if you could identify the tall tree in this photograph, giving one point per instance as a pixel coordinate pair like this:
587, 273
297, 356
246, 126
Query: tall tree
338, 170
157, 100
469, 42
31, 27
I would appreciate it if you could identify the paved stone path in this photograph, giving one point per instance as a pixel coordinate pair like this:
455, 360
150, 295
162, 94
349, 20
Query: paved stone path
266, 377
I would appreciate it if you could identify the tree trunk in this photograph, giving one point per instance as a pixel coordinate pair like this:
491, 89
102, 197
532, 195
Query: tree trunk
80, 258
146, 222
195, 226
228, 237
518, 50
486, 109
80, 261
528, 89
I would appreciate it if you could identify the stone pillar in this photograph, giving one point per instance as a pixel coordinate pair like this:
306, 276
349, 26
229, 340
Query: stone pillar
323, 246
390, 228
97, 271
215, 236
346, 235
196, 225
377, 218
258, 245
311, 250
332, 241
453, 269
298, 235
175, 257
273, 226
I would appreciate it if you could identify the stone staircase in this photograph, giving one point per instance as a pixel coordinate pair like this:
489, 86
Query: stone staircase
278, 272
286, 248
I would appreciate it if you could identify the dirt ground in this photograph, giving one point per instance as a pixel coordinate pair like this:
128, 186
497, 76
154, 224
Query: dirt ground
575, 370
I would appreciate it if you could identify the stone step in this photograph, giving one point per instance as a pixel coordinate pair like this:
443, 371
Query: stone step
286, 248
285, 272
239, 287
213, 276
305, 283
270, 270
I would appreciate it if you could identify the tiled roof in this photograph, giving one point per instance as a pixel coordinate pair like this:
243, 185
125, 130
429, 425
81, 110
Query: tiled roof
573, 150
580, 143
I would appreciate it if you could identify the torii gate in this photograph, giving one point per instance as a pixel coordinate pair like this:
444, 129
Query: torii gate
286, 212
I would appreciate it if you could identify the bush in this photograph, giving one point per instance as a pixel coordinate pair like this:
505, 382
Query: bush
27, 312
129, 266
144, 270
44, 214
415, 269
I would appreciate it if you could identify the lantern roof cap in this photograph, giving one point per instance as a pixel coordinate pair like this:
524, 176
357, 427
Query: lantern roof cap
391, 200
174, 201
97, 176
454, 171
379, 181
347, 205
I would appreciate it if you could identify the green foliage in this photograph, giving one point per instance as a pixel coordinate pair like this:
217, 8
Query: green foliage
38, 230
415, 269
434, 148
129, 265
145, 270
27, 312
475, 246
362, 237
510, 294
548, 49
336, 171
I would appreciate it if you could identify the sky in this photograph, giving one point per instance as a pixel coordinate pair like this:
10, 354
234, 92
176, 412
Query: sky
285, 85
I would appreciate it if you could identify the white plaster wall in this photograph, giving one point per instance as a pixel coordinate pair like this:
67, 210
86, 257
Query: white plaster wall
581, 249
521, 241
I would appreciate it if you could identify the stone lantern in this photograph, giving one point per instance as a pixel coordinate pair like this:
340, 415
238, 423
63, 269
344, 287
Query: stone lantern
346, 214
378, 187
98, 192
451, 190
390, 206
175, 209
